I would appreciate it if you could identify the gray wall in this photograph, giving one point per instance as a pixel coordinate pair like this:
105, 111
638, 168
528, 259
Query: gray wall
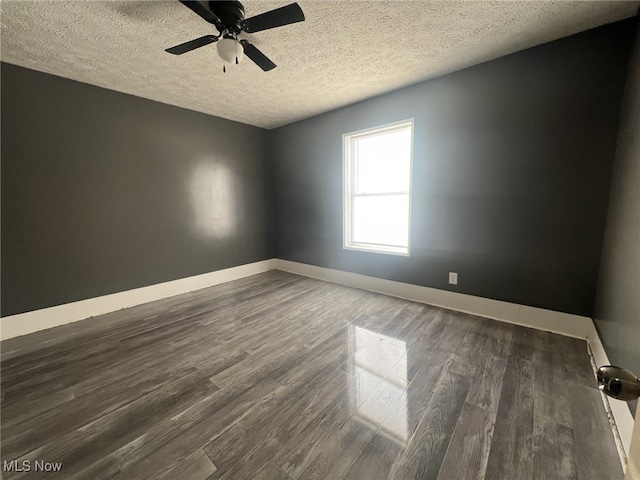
103, 192
617, 309
512, 166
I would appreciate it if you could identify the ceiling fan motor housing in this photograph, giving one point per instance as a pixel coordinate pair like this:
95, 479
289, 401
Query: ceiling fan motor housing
230, 13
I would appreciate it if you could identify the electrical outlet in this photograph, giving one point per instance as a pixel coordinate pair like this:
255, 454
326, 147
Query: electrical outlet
453, 278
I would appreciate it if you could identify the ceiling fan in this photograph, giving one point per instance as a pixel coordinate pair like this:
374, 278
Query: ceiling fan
228, 18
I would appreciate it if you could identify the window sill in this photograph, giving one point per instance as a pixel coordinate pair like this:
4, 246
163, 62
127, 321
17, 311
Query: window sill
371, 248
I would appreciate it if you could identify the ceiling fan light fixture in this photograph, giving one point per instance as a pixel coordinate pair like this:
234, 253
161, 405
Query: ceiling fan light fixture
230, 50
228, 18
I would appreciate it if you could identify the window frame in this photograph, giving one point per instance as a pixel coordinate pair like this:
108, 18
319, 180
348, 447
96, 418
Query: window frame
349, 189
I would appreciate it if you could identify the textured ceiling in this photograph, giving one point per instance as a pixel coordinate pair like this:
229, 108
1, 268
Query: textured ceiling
345, 51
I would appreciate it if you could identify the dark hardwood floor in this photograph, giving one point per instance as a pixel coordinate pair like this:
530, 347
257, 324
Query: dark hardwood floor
278, 376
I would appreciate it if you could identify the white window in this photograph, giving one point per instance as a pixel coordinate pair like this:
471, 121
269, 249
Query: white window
377, 188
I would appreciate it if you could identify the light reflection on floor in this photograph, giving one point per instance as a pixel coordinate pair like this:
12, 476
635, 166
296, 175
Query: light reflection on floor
378, 393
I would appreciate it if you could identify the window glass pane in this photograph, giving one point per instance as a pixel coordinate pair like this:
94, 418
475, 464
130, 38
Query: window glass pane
383, 162
381, 219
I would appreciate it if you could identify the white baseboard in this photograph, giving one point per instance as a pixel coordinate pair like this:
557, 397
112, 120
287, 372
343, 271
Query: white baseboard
539, 318
556, 322
622, 417
29, 322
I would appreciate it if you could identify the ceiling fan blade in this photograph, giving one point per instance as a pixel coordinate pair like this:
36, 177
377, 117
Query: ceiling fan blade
274, 18
192, 45
204, 12
257, 56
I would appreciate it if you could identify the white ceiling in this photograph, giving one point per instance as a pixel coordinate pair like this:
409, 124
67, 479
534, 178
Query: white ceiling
344, 52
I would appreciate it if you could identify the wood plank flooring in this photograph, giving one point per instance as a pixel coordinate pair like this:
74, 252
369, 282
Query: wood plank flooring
278, 376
